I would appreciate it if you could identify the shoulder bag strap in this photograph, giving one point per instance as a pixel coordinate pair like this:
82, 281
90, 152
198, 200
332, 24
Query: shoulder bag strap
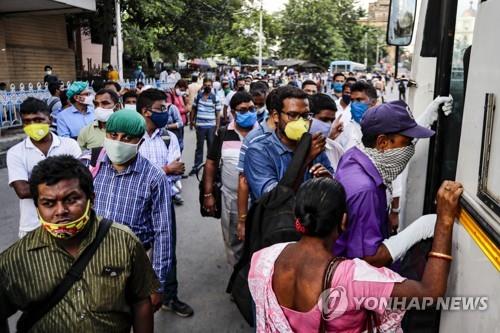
36, 310
327, 282
298, 161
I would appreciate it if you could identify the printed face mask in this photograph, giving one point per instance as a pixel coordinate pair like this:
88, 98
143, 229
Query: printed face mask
391, 162
37, 131
69, 229
295, 129
120, 152
102, 114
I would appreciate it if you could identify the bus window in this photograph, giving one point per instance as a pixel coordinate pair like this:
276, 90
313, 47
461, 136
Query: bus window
489, 178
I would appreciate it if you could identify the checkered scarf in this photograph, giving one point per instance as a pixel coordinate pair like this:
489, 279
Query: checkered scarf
391, 162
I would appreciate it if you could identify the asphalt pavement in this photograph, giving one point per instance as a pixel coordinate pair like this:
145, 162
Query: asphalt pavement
203, 271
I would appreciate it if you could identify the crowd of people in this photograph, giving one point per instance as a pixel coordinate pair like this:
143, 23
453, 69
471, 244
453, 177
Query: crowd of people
99, 178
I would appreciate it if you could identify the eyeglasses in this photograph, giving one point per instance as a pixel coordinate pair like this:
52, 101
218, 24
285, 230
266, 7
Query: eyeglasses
296, 115
161, 110
245, 110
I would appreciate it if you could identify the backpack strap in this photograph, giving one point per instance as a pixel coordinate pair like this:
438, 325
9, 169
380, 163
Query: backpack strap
96, 156
299, 157
37, 310
327, 283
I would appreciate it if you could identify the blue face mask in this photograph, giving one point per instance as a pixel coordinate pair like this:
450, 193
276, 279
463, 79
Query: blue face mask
160, 119
321, 127
346, 98
358, 110
337, 87
246, 120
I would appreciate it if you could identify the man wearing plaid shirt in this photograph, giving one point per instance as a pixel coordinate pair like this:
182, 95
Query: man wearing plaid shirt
132, 191
166, 155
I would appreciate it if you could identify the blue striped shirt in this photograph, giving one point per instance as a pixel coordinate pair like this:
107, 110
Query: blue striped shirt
207, 108
138, 197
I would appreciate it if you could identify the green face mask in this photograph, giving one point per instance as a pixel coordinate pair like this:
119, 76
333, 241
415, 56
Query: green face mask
120, 152
295, 129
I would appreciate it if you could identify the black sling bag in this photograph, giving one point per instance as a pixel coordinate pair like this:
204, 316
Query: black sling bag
36, 310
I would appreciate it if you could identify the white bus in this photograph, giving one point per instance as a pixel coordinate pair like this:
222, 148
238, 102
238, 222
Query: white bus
456, 52
346, 66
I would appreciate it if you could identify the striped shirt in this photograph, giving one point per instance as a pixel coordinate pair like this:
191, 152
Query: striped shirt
207, 108
138, 198
154, 149
259, 132
100, 302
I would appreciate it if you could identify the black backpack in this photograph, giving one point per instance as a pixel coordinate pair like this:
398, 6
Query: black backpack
270, 220
401, 86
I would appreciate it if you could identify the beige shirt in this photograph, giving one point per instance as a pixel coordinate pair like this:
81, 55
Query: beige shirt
91, 136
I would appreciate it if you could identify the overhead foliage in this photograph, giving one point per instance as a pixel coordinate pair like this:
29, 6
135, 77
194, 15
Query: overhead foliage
324, 30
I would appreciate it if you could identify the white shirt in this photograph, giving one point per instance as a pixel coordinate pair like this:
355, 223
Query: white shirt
334, 152
345, 112
21, 159
351, 136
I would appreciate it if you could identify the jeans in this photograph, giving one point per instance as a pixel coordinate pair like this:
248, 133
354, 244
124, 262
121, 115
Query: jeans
202, 134
171, 285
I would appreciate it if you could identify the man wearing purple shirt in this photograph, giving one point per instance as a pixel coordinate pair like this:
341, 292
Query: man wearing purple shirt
367, 171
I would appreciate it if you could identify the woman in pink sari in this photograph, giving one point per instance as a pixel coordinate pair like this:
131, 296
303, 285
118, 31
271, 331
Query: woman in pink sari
286, 280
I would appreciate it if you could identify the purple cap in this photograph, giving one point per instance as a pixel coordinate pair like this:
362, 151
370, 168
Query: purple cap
393, 117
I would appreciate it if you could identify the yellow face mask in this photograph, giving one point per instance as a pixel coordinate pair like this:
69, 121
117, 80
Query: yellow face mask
69, 229
37, 131
295, 129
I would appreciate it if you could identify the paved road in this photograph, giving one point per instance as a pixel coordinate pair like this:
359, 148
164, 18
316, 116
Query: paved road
202, 268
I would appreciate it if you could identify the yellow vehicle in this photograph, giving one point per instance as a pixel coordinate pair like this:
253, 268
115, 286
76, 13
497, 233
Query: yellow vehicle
457, 47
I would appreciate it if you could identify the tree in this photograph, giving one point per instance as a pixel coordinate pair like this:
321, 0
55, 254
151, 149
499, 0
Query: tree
321, 31
238, 38
173, 26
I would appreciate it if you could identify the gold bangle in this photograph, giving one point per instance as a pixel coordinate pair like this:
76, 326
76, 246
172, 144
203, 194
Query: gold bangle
440, 256
207, 195
242, 217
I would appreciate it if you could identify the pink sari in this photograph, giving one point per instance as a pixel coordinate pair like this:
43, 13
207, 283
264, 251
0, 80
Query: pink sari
353, 278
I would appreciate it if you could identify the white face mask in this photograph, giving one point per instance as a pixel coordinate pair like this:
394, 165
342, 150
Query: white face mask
130, 107
102, 114
261, 110
180, 92
89, 100
48, 72
120, 152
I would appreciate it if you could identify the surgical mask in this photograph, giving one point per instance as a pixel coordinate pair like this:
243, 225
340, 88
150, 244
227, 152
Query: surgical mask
346, 98
261, 110
247, 87
321, 127
391, 163
37, 131
48, 72
68, 229
295, 129
120, 152
179, 92
337, 87
89, 100
358, 110
130, 107
246, 120
102, 114
160, 119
